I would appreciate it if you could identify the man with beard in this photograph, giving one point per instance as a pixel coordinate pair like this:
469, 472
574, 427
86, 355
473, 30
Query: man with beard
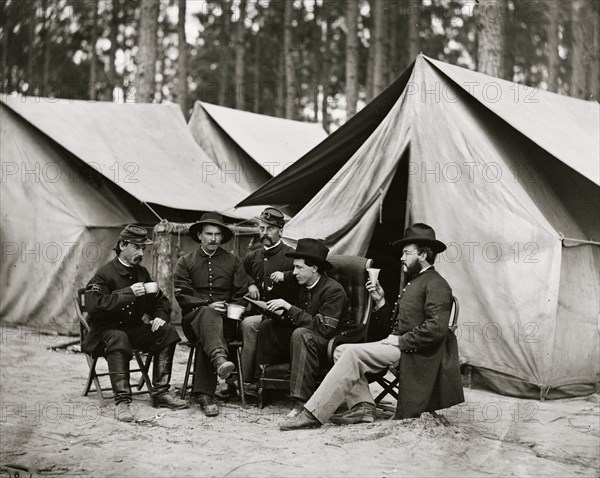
319, 311
420, 343
116, 300
266, 267
205, 280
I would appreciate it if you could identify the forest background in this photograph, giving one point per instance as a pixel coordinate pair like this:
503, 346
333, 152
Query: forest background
310, 60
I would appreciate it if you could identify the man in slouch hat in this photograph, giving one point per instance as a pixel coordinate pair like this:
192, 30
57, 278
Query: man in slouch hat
205, 281
318, 312
116, 300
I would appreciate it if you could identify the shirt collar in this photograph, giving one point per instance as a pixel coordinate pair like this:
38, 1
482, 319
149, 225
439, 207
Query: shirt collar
206, 254
272, 247
121, 267
426, 269
313, 286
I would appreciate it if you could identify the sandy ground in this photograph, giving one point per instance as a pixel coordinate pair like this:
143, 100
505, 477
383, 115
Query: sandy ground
48, 427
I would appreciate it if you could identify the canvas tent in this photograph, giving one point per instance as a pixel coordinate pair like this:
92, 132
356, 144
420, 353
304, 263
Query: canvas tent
251, 148
509, 178
73, 174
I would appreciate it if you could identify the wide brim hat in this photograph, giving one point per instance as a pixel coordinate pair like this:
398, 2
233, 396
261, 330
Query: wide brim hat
135, 235
422, 234
272, 216
312, 249
213, 219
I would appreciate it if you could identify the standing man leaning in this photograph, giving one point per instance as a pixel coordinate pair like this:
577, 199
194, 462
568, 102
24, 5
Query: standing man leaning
205, 280
420, 342
266, 267
321, 309
116, 301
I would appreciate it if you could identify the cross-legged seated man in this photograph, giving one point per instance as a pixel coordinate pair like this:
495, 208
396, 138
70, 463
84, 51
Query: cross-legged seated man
205, 281
116, 300
266, 267
420, 342
320, 310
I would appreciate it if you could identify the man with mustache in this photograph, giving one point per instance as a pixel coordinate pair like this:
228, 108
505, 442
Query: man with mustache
116, 301
205, 281
266, 267
420, 342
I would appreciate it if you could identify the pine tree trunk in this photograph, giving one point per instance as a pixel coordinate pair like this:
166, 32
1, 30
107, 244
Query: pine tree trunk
379, 50
509, 34
369, 81
112, 52
225, 54
325, 65
182, 88
351, 58
6, 29
594, 87
578, 47
280, 87
288, 49
240, 48
489, 17
93, 40
257, 59
552, 9
394, 51
31, 50
413, 23
316, 60
45, 41
146, 69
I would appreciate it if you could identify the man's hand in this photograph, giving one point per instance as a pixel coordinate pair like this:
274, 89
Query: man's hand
219, 306
377, 293
253, 292
156, 323
277, 277
391, 340
138, 289
275, 304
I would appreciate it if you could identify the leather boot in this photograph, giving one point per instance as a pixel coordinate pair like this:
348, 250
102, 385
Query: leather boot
161, 377
221, 363
118, 366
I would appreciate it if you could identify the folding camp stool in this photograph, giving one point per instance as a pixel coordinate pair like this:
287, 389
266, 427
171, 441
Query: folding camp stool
93, 375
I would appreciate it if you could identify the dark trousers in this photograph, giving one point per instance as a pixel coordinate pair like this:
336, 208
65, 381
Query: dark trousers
305, 349
204, 327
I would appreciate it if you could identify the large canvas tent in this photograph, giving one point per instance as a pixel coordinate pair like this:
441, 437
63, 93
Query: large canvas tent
73, 174
250, 148
509, 178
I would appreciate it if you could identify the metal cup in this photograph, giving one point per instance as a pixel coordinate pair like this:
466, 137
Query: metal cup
151, 287
373, 274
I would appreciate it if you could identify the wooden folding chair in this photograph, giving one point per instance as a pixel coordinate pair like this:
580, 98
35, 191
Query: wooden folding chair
390, 387
93, 375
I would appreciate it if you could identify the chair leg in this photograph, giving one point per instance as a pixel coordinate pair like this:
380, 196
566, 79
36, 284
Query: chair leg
241, 375
143, 371
147, 364
188, 368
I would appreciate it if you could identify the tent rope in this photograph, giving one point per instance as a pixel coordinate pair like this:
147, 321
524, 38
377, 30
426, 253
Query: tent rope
578, 242
153, 211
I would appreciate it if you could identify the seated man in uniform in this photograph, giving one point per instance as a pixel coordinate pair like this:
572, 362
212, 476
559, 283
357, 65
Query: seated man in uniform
265, 267
320, 310
420, 342
116, 301
205, 280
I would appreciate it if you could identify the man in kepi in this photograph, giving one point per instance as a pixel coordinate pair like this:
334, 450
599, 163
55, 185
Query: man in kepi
320, 310
116, 300
205, 281
266, 267
420, 342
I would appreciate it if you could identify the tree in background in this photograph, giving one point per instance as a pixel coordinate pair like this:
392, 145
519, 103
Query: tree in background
147, 51
489, 15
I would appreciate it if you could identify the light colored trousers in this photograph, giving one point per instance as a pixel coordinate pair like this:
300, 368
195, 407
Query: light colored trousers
249, 328
347, 381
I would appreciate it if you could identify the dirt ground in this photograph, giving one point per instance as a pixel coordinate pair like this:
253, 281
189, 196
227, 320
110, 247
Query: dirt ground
50, 429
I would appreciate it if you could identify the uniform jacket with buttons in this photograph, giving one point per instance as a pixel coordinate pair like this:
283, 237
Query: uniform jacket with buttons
261, 263
111, 304
324, 309
200, 279
429, 370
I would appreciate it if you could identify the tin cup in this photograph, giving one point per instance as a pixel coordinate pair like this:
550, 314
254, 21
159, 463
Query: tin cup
235, 311
373, 274
151, 287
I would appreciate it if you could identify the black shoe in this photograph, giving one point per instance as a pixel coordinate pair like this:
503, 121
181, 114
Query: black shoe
224, 367
166, 400
362, 412
302, 421
206, 403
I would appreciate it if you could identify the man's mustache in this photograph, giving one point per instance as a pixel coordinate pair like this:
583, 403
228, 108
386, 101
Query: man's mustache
264, 238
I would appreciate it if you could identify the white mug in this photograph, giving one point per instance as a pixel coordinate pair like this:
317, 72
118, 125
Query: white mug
151, 287
373, 274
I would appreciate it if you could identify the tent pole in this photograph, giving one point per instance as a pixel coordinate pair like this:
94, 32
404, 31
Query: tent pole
152, 210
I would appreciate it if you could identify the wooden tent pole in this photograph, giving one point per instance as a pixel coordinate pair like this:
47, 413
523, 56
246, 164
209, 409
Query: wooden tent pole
162, 252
